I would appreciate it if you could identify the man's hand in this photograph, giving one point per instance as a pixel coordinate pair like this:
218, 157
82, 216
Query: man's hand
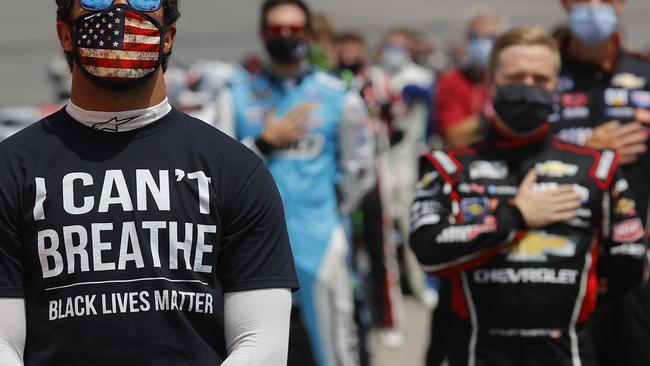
542, 208
282, 131
629, 140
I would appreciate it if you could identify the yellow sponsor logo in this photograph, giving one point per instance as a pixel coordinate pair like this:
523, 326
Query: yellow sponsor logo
625, 206
537, 245
629, 81
476, 209
555, 168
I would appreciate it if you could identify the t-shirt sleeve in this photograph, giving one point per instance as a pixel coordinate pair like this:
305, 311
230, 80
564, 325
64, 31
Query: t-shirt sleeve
11, 268
255, 250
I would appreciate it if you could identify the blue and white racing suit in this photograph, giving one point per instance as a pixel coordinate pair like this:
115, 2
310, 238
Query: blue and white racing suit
337, 151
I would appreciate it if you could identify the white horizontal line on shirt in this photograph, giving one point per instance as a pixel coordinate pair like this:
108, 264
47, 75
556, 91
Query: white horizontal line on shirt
125, 281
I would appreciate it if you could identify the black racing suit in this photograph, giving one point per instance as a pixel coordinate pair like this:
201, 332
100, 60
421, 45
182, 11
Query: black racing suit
525, 296
591, 97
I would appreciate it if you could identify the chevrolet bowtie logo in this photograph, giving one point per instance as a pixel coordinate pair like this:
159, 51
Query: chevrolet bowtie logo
556, 169
536, 246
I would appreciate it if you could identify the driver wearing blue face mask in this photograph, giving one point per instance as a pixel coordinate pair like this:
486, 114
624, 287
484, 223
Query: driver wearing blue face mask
605, 104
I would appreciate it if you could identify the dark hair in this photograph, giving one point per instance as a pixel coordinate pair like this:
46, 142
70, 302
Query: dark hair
268, 5
171, 15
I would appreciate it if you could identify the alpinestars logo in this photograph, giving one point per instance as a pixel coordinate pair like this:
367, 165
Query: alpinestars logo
113, 124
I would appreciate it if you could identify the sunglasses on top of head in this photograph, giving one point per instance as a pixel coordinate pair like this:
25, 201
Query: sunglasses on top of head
98, 5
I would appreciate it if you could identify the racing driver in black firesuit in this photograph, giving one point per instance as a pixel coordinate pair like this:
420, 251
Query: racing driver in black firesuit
604, 95
526, 226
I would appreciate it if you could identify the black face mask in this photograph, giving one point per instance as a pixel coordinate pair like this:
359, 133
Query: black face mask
286, 50
523, 108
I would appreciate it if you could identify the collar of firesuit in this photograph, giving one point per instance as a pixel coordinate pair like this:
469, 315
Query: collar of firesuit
502, 143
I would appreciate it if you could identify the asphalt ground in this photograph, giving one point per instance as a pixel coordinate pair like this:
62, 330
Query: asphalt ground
416, 338
226, 29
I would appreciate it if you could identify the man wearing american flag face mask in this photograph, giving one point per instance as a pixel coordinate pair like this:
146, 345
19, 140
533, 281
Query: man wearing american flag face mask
131, 233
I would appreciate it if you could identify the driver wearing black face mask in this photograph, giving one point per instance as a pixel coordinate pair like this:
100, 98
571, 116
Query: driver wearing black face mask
518, 221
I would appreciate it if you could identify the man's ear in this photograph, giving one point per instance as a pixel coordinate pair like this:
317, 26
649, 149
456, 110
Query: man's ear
170, 38
64, 33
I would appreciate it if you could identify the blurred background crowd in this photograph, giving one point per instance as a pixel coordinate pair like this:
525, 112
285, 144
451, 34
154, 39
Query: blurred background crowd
420, 66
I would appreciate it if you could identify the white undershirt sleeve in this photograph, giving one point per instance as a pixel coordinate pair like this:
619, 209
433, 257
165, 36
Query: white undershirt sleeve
257, 327
13, 327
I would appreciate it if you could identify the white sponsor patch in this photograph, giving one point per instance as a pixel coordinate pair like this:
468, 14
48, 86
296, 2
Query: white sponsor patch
566, 83
620, 112
446, 189
425, 213
605, 164
579, 223
488, 169
577, 136
526, 275
556, 169
424, 221
616, 97
502, 190
575, 113
640, 98
471, 188
629, 81
628, 231
621, 186
466, 233
445, 162
582, 191
526, 333
632, 250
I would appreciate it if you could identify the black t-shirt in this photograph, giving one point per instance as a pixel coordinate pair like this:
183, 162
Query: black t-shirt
123, 244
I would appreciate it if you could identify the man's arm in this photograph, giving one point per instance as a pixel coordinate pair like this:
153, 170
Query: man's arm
623, 263
257, 327
356, 152
12, 331
441, 240
629, 140
445, 243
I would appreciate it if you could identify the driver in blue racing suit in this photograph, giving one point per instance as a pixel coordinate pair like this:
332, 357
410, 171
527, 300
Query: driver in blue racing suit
315, 137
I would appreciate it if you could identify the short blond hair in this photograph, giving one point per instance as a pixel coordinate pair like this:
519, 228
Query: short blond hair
523, 36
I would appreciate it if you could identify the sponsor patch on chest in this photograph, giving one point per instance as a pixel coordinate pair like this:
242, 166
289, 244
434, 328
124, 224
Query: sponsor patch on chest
629, 81
628, 231
488, 169
556, 169
536, 246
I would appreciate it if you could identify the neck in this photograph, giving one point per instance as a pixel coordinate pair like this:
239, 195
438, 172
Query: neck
599, 55
88, 96
288, 70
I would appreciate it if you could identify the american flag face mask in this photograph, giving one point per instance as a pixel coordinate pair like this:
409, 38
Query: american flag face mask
118, 48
